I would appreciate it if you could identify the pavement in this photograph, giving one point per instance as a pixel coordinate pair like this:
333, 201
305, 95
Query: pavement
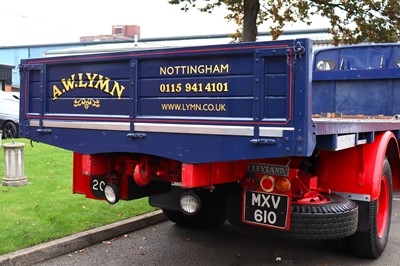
62, 246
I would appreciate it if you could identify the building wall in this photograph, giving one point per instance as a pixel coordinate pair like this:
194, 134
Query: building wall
5, 77
12, 55
126, 30
119, 32
8, 88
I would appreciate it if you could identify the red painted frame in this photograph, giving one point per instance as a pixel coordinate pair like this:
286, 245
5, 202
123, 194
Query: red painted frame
358, 170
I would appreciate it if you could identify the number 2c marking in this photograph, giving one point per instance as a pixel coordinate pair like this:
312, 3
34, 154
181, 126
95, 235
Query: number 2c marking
98, 185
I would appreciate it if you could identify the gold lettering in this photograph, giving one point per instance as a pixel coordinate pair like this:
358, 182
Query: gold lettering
163, 71
194, 69
94, 80
81, 84
119, 89
225, 68
56, 92
170, 70
103, 83
91, 79
200, 69
184, 69
70, 83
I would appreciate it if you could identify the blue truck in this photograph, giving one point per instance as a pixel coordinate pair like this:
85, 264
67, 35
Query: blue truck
270, 136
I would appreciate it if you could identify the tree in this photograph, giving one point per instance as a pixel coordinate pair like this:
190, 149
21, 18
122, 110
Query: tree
351, 21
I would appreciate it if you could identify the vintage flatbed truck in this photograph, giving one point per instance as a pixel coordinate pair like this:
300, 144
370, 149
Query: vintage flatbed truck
267, 135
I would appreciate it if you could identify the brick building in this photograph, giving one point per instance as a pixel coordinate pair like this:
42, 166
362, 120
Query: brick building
119, 33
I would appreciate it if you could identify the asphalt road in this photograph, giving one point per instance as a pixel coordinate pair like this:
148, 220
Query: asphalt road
168, 244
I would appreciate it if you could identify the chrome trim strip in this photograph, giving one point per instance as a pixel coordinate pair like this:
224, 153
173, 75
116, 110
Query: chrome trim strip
195, 129
165, 128
116, 126
276, 132
34, 123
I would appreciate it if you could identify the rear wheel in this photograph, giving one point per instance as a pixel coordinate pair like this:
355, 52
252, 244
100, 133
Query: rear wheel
371, 242
10, 130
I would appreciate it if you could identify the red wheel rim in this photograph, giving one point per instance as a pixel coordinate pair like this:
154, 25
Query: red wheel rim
383, 207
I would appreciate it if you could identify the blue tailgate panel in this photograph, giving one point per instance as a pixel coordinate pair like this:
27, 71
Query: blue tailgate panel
362, 80
198, 104
210, 87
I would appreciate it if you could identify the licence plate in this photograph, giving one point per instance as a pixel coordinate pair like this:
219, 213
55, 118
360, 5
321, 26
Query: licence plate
266, 209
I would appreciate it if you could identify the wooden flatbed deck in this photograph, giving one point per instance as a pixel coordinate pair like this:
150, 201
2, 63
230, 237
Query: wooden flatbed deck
337, 132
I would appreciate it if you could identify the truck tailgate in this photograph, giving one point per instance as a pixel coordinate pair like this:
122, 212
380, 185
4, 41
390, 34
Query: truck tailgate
197, 104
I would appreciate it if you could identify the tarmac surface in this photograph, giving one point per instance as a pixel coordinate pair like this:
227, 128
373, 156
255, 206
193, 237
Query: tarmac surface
79, 241
168, 244
57, 248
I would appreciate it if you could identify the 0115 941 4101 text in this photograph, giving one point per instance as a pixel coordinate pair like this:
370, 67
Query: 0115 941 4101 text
211, 87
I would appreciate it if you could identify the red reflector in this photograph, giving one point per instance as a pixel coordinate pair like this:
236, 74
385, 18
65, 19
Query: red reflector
249, 183
267, 183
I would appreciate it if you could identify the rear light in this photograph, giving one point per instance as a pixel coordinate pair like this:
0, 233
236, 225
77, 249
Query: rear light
190, 203
267, 183
282, 184
111, 192
249, 182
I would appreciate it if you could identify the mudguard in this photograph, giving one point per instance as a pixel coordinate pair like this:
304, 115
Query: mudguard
357, 171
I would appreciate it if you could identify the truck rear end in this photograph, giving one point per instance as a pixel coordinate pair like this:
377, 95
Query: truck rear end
213, 133
144, 120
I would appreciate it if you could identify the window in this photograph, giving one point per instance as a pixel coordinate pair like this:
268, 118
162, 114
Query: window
117, 30
325, 65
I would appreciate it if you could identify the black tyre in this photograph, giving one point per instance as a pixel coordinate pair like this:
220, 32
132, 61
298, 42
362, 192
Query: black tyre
10, 130
335, 219
371, 242
177, 217
211, 214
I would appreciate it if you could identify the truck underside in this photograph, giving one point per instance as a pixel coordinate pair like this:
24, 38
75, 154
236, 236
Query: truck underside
329, 195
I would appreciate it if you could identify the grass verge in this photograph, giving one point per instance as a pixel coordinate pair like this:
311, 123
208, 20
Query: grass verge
46, 209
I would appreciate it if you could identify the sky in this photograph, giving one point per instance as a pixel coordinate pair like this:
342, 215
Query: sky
50, 21
25, 22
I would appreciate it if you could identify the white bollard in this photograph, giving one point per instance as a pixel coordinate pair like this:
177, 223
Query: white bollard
14, 165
